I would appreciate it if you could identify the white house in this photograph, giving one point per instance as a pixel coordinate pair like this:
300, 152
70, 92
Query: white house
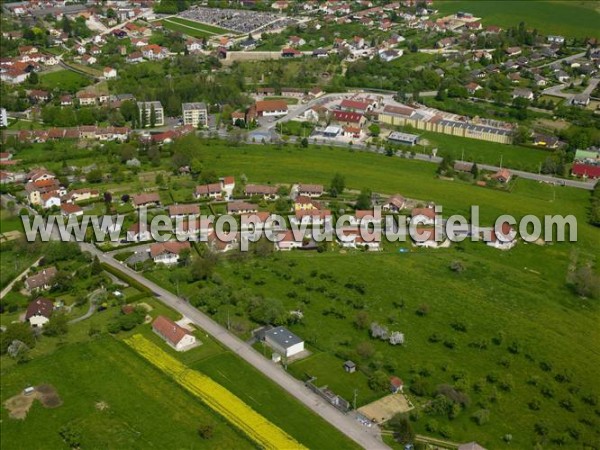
167, 252
110, 73
3, 118
423, 216
136, 234
176, 336
284, 342
505, 240
289, 242
314, 217
39, 312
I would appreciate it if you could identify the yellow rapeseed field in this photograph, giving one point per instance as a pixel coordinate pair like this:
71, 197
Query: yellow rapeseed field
259, 429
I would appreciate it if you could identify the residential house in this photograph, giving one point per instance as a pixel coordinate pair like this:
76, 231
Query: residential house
39, 312
145, 200
135, 57
580, 100
523, 93
154, 52
513, 51
545, 140
88, 60
288, 241
176, 336
71, 210
396, 385
265, 191
303, 202
137, 233
87, 98
271, 108
66, 100
423, 216
228, 243
41, 280
212, 190
314, 217
505, 239
296, 41
502, 176
240, 207
179, 211
109, 73
167, 252
394, 204
310, 190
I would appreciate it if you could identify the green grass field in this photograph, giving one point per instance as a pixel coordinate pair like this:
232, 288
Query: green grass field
64, 81
517, 299
272, 402
191, 28
569, 18
144, 408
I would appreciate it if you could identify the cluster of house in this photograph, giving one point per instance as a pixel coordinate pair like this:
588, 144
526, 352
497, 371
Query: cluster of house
307, 209
17, 69
88, 132
43, 189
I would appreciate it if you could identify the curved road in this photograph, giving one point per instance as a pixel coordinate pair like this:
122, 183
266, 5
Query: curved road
366, 437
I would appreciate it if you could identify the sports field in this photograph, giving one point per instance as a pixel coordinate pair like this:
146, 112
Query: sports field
568, 18
191, 28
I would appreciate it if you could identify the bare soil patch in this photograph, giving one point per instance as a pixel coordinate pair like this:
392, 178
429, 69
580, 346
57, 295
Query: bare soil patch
18, 406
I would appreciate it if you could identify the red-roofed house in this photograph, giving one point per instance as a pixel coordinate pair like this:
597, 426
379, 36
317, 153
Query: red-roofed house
586, 171
423, 216
396, 385
39, 312
176, 336
505, 239
167, 252
349, 118
71, 210
271, 108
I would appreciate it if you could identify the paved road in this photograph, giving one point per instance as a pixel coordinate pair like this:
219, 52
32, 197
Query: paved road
565, 59
557, 90
366, 437
7, 289
92, 308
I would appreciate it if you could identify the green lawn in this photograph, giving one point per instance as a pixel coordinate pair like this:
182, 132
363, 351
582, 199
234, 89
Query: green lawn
272, 402
569, 18
191, 28
64, 81
144, 408
328, 371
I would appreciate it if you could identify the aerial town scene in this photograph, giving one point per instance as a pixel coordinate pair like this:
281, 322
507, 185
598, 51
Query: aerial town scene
321, 224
